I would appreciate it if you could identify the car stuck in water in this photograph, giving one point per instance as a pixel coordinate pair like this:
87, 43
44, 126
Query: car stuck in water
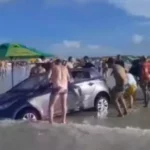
29, 99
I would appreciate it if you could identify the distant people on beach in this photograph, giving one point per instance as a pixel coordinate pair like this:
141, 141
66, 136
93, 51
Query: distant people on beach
70, 63
3, 68
87, 63
37, 69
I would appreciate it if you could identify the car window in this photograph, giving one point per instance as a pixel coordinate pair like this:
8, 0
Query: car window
94, 73
33, 82
80, 75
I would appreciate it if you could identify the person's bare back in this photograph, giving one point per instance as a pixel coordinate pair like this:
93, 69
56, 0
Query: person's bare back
60, 76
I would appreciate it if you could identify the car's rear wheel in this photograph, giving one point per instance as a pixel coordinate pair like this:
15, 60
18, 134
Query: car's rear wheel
101, 105
28, 114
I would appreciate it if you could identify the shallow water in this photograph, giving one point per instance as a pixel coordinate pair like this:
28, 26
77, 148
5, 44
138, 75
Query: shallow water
38, 136
20, 73
84, 130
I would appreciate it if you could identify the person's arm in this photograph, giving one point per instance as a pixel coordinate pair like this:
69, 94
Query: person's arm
70, 79
51, 72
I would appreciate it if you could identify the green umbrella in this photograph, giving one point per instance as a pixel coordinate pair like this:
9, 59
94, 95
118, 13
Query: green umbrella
20, 51
14, 51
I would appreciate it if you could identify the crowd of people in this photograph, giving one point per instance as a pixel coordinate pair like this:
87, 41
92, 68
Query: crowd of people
6, 65
123, 94
3, 68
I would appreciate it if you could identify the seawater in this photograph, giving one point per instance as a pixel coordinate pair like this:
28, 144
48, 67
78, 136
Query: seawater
42, 136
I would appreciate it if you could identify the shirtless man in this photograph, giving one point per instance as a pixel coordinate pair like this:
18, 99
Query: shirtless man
59, 78
118, 91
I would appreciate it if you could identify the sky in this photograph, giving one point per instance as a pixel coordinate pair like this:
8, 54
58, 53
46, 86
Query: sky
78, 27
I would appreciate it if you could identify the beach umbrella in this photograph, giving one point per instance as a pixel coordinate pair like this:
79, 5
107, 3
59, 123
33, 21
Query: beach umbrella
18, 51
8, 50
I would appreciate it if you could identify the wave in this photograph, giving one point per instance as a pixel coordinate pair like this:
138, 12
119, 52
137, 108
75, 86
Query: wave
37, 136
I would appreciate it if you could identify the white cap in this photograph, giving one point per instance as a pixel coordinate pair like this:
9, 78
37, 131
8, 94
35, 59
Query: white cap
39, 60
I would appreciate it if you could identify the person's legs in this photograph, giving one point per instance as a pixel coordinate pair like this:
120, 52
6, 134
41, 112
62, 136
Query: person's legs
131, 102
144, 88
118, 107
123, 103
63, 100
133, 95
53, 99
129, 93
116, 96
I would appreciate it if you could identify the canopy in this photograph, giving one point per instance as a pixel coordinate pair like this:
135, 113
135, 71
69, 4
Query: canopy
8, 50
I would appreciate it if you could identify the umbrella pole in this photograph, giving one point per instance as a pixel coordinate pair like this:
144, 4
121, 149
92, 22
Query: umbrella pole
12, 73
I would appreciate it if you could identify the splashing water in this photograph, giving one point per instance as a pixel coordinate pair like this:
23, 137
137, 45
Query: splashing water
37, 136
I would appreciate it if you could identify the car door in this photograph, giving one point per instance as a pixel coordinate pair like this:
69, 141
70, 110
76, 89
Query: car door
85, 85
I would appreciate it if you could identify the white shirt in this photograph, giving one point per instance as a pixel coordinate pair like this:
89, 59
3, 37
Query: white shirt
131, 80
70, 65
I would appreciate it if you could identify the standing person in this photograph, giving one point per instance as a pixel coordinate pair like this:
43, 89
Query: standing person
87, 63
100, 66
2, 68
105, 69
145, 78
70, 63
59, 78
6, 67
135, 69
37, 69
119, 61
118, 91
130, 92
97, 64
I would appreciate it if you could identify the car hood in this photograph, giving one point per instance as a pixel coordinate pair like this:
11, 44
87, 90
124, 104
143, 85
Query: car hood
11, 96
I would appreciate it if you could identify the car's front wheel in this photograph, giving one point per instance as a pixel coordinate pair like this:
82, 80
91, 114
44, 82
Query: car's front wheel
101, 106
28, 114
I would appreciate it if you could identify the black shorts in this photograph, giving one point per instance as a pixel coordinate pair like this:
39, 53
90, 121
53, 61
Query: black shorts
117, 92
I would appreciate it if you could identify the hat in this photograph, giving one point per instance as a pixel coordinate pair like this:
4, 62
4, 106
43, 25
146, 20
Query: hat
39, 60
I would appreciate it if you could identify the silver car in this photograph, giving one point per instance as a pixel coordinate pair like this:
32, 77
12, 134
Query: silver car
29, 99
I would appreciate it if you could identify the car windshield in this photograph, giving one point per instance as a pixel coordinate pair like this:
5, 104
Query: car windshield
32, 83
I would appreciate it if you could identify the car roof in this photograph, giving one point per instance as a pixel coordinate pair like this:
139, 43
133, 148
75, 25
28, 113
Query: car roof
91, 71
83, 69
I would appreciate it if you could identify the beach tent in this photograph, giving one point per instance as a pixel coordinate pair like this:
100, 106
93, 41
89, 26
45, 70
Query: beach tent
11, 52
